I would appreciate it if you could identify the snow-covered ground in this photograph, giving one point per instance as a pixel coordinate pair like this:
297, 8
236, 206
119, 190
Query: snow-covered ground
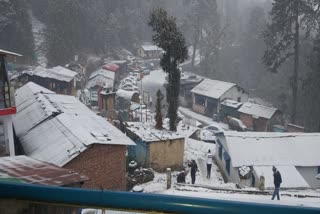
203, 119
204, 188
38, 30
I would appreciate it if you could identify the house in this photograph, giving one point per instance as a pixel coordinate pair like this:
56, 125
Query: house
259, 117
156, 149
58, 79
149, 51
229, 108
296, 155
208, 95
106, 100
60, 130
25, 169
99, 80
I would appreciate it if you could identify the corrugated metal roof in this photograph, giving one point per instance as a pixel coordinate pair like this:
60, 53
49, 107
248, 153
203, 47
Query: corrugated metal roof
212, 88
257, 110
56, 128
8, 53
58, 73
103, 72
36, 172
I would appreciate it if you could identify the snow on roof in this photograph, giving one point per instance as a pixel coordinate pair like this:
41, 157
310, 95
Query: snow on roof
56, 128
37, 172
271, 148
126, 94
100, 81
110, 67
148, 133
151, 48
231, 103
102, 72
212, 88
8, 53
290, 176
257, 110
58, 73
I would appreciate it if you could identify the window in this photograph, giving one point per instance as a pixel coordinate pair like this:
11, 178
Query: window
200, 100
318, 169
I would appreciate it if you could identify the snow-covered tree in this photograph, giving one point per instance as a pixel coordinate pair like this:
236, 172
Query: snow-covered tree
167, 36
282, 38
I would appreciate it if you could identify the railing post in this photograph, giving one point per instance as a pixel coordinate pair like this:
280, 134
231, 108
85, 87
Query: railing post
168, 178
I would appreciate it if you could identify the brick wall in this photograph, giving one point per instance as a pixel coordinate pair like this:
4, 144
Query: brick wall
247, 120
105, 165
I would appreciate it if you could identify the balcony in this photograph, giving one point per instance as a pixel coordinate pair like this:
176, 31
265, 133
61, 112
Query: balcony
26, 198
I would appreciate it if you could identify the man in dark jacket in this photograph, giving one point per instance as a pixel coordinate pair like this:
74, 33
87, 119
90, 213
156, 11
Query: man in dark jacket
194, 168
277, 181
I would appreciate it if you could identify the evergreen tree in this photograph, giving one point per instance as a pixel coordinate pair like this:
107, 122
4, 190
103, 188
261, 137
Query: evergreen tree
167, 36
282, 39
158, 110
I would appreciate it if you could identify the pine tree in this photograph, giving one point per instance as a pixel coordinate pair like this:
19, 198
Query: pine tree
158, 110
282, 39
167, 36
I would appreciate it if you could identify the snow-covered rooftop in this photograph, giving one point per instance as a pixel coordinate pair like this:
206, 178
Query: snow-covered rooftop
257, 110
58, 73
126, 94
271, 148
289, 174
151, 48
212, 88
231, 103
102, 72
56, 128
148, 133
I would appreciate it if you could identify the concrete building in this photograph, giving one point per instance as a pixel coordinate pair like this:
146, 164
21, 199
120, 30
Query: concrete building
258, 117
296, 155
208, 95
60, 130
156, 149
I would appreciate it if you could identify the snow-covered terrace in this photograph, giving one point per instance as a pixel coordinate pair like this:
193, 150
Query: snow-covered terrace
148, 133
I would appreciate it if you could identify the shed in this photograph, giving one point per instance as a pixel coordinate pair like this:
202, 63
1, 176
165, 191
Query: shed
258, 117
59, 129
294, 153
156, 149
208, 95
229, 108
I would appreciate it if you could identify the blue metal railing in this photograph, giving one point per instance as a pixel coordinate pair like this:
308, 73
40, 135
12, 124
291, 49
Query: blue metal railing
138, 201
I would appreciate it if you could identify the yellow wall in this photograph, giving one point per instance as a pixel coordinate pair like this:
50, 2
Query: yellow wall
166, 154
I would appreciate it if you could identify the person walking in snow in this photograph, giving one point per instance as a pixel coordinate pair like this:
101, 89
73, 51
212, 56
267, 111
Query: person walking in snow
194, 168
277, 180
209, 163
